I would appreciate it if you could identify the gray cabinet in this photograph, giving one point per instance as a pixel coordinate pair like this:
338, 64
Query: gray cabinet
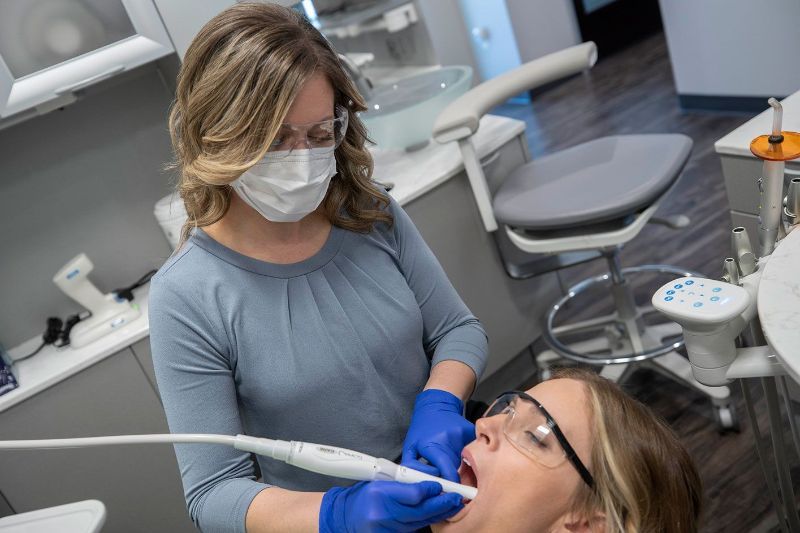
5, 508
741, 185
139, 484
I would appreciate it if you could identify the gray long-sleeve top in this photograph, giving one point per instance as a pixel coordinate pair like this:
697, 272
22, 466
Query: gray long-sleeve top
331, 350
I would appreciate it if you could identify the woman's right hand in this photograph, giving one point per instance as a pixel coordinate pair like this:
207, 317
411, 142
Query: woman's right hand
385, 506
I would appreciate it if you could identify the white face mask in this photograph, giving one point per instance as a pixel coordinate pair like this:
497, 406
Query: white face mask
285, 189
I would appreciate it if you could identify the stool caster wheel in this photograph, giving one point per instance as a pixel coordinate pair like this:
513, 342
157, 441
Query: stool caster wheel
726, 418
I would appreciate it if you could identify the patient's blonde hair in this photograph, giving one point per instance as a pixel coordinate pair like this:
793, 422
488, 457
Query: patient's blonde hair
645, 480
236, 84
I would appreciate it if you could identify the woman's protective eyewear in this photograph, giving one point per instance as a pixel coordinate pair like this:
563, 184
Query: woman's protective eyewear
320, 137
531, 429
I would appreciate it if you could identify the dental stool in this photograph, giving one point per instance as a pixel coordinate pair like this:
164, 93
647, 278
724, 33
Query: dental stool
583, 202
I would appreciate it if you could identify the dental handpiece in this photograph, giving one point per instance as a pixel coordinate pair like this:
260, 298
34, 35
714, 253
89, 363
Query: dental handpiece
341, 462
770, 206
327, 460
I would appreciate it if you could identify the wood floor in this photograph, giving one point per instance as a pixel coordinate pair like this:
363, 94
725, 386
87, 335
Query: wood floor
633, 92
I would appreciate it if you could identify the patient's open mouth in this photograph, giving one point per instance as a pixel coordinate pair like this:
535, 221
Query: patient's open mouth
469, 477
467, 473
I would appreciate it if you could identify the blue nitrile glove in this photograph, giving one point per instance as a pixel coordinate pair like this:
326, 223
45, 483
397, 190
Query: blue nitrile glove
385, 506
438, 432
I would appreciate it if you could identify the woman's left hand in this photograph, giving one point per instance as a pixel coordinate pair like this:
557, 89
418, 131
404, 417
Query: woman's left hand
438, 432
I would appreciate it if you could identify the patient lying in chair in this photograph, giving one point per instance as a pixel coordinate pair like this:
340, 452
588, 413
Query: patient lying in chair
576, 454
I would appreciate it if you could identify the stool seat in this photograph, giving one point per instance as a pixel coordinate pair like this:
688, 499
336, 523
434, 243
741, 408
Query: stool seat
597, 181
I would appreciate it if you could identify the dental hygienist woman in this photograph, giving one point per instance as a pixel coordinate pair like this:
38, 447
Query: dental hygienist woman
303, 304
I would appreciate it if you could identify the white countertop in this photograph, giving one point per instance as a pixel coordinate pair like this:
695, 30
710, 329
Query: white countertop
412, 173
52, 365
779, 302
738, 141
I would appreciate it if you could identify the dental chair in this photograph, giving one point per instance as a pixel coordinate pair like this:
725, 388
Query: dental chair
575, 205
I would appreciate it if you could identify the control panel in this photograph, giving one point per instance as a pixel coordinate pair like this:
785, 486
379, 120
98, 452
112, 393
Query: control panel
702, 301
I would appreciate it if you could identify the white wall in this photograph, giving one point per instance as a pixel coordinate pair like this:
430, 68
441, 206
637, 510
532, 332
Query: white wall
539, 26
184, 18
84, 178
543, 26
448, 33
733, 47
493, 41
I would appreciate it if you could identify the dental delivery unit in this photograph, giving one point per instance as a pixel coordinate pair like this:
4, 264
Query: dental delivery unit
327, 460
721, 327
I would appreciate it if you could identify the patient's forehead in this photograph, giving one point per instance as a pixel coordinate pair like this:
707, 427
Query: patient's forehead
566, 401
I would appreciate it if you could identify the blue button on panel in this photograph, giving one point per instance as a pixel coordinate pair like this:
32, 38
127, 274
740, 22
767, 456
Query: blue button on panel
689, 282
670, 291
716, 289
715, 298
668, 299
678, 286
697, 304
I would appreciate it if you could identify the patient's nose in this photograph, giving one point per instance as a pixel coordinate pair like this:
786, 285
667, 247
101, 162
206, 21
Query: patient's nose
488, 430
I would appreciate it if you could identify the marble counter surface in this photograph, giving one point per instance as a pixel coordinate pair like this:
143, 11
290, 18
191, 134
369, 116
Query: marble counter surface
779, 302
412, 174
738, 141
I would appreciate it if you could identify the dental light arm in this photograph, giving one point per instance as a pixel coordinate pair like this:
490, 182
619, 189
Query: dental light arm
327, 460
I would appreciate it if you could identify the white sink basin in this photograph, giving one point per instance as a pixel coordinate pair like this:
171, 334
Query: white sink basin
401, 114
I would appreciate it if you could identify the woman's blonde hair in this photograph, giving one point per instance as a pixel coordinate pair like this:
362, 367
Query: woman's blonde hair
236, 84
645, 480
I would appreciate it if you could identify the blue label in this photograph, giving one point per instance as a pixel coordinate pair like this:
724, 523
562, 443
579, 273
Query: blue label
678, 286
670, 291
73, 273
698, 304
716, 289
714, 298
689, 282
668, 298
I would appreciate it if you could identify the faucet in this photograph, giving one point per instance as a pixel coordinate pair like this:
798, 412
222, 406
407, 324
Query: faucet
363, 83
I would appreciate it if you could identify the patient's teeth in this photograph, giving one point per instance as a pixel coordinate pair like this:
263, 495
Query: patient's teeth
467, 462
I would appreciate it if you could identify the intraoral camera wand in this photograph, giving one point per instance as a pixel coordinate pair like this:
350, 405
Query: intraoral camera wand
327, 460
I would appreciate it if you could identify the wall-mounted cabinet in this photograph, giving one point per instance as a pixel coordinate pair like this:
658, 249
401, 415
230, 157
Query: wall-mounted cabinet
51, 48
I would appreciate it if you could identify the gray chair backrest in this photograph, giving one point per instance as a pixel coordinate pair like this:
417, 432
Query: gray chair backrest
460, 120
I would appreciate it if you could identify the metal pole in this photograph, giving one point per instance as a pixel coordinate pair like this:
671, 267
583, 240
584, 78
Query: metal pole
762, 453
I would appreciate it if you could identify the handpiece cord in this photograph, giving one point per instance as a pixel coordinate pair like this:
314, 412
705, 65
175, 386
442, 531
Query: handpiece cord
176, 438
327, 460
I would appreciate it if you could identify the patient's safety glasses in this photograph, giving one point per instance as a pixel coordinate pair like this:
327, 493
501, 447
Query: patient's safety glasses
320, 137
532, 431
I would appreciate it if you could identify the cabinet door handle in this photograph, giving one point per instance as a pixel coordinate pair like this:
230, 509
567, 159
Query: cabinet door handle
90, 80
